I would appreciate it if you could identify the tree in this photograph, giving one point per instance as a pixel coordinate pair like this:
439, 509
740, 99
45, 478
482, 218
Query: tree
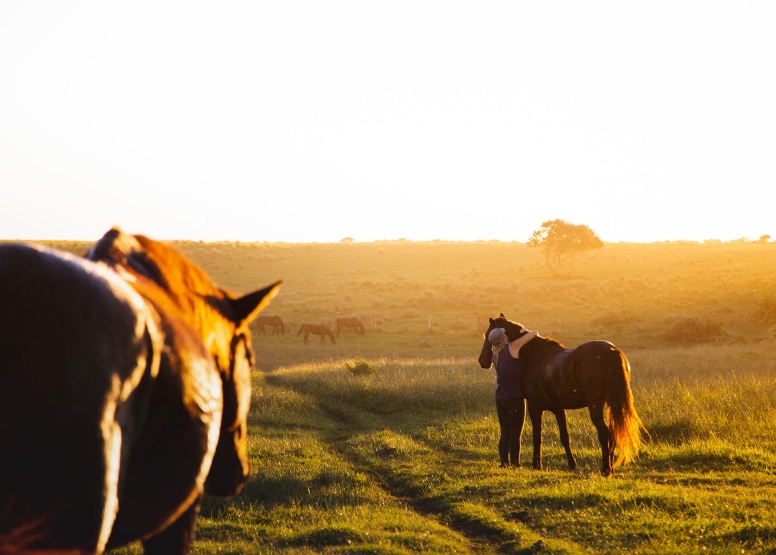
560, 241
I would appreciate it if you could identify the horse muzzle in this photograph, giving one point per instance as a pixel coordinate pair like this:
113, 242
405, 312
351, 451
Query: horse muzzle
231, 469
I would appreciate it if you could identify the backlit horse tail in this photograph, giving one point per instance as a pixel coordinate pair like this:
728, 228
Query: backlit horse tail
624, 422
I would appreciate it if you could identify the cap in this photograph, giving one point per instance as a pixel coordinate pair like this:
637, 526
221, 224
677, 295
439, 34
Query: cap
496, 335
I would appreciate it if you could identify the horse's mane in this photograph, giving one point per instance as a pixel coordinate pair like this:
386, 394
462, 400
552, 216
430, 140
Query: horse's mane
538, 344
173, 284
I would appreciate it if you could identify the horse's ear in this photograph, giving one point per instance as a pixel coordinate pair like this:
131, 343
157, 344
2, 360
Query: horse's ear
248, 306
491, 321
502, 315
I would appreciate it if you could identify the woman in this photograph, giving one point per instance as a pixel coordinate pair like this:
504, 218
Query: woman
510, 403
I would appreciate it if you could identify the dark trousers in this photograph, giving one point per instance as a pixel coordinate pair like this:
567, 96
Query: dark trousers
511, 418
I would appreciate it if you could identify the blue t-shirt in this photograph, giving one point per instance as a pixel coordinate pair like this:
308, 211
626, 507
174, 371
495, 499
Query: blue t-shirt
509, 376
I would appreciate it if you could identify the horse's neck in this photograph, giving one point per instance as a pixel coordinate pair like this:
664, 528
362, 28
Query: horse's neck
540, 346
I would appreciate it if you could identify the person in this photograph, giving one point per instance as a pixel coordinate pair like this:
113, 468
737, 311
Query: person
510, 403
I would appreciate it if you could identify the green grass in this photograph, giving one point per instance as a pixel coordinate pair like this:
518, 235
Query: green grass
402, 458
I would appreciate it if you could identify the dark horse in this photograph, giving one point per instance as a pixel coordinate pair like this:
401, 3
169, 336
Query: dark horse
595, 375
352, 322
124, 393
275, 321
316, 329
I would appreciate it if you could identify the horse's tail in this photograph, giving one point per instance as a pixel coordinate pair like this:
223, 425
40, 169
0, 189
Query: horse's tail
624, 422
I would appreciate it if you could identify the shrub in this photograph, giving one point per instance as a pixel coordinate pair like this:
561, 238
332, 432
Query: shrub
695, 329
360, 368
765, 312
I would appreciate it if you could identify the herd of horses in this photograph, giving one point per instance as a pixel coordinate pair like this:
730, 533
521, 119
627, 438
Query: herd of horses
324, 329
125, 390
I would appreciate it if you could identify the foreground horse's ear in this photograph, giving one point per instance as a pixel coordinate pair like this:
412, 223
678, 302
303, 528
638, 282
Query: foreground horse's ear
491, 321
502, 315
248, 306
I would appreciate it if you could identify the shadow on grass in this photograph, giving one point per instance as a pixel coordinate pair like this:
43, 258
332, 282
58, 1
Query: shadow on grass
673, 433
330, 535
701, 457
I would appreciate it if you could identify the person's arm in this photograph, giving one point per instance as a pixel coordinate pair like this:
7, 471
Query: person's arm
514, 346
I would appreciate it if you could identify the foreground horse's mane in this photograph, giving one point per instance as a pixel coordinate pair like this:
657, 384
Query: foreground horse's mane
201, 303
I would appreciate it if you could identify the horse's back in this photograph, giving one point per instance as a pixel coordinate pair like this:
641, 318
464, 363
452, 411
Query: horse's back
75, 342
591, 363
593, 351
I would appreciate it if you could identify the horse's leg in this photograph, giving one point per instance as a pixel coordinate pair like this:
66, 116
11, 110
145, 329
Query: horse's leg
306, 334
535, 413
560, 416
604, 438
177, 536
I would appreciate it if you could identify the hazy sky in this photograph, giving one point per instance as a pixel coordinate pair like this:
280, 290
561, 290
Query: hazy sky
312, 121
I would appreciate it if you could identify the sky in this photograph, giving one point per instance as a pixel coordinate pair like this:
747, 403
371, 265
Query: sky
313, 121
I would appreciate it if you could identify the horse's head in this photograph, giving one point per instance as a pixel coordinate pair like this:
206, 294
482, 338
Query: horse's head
513, 331
231, 469
219, 318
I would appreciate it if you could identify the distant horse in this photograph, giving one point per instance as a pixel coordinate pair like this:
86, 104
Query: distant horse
124, 392
316, 329
352, 322
593, 375
277, 324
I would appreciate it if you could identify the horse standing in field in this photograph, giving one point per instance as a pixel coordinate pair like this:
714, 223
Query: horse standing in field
316, 329
595, 375
124, 393
275, 321
352, 322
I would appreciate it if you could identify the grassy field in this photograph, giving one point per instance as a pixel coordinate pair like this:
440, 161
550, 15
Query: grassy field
401, 458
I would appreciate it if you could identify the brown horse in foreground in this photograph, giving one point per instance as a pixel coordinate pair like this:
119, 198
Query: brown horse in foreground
124, 392
275, 321
352, 322
316, 329
595, 375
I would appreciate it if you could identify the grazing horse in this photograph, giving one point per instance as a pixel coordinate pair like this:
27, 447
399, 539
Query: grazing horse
595, 375
316, 329
277, 324
124, 393
352, 322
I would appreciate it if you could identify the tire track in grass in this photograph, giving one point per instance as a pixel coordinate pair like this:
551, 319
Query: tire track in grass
407, 468
306, 495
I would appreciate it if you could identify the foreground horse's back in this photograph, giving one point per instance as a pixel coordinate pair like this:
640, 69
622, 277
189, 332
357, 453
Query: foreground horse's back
75, 342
